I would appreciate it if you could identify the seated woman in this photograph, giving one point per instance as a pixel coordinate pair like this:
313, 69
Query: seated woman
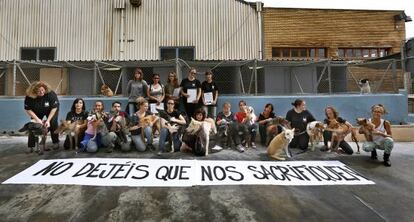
193, 131
96, 119
299, 117
169, 127
77, 114
268, 128
224, 122
246, 120
381, 135
141, 123
331, 116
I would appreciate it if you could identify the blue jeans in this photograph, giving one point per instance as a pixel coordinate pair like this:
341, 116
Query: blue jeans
87, 139
139, 143
163, 137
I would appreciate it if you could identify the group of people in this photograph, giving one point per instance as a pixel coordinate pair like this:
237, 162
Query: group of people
137, 126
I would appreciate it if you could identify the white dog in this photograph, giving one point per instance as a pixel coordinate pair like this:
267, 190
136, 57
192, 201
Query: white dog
364, 85
279, 143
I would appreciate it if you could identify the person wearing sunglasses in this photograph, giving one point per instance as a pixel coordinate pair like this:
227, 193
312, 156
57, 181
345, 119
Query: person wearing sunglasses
155, 90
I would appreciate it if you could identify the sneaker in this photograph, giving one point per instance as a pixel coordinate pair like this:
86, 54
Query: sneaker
240, 148
217, 148
159, 153
254, 145
55, 146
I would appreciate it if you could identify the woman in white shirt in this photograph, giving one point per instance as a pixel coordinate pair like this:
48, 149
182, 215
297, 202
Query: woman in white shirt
381, 136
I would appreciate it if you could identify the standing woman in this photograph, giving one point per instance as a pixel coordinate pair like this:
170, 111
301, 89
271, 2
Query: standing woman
137, 129
209, 86
41, 101
136, 87
191, 83
298, 118
77, 114
172, 84
155, 91
382, 135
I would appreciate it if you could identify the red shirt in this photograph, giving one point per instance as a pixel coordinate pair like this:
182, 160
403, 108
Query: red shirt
240, 116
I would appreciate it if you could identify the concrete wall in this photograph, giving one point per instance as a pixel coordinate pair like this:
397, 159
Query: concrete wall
349, 106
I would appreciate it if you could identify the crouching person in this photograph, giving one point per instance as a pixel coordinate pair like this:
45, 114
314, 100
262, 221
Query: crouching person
116, 137
170, 123
224, 123
96, 123
141, 126
381, 135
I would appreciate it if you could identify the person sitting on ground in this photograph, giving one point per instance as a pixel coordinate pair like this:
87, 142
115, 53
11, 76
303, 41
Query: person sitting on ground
246, 126
268, 129
382, 135
332, 115
298, 118
141, 126
77, 114
225, 126
117, 124
170, 127
96, 120
41, 101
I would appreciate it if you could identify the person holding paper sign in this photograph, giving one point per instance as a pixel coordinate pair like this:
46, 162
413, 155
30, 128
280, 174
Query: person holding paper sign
191, 91
209, 95
172, 89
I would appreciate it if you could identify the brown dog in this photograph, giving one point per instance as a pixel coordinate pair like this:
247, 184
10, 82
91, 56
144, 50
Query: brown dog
106, 91
280, 143
366, 128
72, 130
315, 130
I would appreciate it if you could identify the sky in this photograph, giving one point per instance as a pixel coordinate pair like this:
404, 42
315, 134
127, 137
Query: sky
350, 4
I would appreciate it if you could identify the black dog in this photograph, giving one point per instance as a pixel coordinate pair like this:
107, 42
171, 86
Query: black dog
37, 130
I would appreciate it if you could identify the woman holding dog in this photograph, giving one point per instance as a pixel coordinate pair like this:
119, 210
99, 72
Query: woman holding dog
41, 101
92, 139
142, 122
77, 114
246, 125
137, 87
267, 128
382, 135
332, 115
172, 119
298, 118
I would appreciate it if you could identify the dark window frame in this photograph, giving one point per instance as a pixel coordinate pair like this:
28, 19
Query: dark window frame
361, 52
38, 49
280, 52
177, 51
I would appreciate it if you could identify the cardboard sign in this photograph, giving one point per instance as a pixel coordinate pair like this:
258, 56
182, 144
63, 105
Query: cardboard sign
184, 173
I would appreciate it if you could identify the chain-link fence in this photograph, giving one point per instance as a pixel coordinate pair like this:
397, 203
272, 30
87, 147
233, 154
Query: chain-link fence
251, 77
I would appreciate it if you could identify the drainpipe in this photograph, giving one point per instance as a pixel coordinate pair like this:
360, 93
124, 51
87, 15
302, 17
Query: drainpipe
259, 10
122, 35
14, 79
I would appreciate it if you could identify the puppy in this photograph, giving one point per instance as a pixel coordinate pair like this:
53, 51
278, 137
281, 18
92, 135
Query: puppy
279, 143
366, 128
364, 85
106, 91
315, 131
71, 130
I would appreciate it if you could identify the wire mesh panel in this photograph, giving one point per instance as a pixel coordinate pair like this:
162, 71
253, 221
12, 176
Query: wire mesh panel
24, 77
3, 81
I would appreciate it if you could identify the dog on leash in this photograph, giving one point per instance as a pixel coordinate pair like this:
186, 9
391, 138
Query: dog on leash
315, 131
338, 133
364, 85
280, 143
202, 130
37, 130
106, 91
72, 130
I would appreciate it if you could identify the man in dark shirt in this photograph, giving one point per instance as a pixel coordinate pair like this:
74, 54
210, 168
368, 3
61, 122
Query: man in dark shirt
41, 101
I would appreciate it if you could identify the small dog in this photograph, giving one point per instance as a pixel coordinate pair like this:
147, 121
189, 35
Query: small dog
364, 85
37, 130
315, 131
366, 128
106, 91
338, 134
279, 143
70, 129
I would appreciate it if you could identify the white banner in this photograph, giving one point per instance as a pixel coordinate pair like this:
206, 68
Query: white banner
183, 173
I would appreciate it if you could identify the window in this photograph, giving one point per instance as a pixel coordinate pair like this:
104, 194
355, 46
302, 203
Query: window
184, 53
362, 52
38, 54
298, 52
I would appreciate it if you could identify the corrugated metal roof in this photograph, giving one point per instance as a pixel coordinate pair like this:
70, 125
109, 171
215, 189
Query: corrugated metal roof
90, 29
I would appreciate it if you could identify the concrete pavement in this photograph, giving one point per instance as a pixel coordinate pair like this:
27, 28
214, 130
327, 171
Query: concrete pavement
390, 199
